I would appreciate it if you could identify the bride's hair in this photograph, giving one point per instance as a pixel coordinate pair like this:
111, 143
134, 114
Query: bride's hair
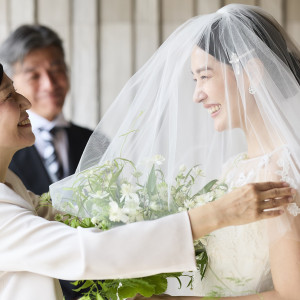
1, 73
219, 40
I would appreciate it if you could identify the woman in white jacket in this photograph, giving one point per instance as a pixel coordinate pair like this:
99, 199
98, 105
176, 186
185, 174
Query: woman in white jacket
35, 251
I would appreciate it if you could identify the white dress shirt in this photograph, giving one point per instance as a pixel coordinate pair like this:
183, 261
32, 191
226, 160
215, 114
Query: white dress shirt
34, 251
61, 143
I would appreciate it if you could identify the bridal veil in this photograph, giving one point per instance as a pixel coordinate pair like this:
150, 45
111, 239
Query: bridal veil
243, 73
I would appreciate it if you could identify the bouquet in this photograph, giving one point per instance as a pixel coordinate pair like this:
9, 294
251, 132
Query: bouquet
117, 193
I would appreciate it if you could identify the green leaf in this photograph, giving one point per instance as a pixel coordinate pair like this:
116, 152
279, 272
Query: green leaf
76, 282
74, 223
159, 283
132, 287
207, 188
86, 284
151, 183
87, 223
85, 297
98, 297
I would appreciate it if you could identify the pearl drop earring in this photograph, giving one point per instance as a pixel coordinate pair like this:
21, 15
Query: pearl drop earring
251, 90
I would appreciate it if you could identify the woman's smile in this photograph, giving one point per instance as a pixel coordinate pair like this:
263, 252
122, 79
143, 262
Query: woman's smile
25, 123
213, 110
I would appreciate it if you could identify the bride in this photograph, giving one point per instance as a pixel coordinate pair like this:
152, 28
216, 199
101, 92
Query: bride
247, 77
245, 130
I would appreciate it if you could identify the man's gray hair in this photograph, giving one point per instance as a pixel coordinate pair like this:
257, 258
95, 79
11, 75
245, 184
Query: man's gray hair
25, 39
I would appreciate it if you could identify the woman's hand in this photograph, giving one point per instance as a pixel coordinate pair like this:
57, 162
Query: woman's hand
246, 204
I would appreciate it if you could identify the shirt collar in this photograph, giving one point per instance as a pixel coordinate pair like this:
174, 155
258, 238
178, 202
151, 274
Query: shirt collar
38, 121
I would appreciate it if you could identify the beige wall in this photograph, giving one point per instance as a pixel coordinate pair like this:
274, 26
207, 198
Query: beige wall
108, 40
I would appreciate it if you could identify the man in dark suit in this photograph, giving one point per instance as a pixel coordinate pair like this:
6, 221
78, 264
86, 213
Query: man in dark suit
33, 57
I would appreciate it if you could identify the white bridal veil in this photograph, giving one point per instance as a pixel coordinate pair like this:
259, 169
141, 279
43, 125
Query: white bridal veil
243, 72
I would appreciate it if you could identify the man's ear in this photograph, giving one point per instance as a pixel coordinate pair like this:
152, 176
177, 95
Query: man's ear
254, 71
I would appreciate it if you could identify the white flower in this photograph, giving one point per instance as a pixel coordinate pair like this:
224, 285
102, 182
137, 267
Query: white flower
158, 159
95, 220
219, 193
116, 214
200, 200
154, 160
163, 191
128, 192
133, 210
132, 202
208, 197
180, 197
189, 203
180, 209
198, 171
182, 168
136, 215
154, 206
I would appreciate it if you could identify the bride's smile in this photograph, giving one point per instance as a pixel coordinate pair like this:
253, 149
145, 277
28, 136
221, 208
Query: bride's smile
213, 109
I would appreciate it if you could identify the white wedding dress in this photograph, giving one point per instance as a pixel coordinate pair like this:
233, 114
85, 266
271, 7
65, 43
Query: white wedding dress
239, 255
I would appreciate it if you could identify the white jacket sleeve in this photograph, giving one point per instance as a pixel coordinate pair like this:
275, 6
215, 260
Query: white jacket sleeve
31, 243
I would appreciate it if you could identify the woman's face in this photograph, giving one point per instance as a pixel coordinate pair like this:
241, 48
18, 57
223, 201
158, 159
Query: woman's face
216, 89
15, 127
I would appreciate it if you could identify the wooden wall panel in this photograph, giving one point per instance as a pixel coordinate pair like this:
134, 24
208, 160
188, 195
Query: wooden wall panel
57, 14
146, 31
275, 8
4, 20
85, 72
207, 7
22, 12
293, 19
174, 13
116, 61
248, 2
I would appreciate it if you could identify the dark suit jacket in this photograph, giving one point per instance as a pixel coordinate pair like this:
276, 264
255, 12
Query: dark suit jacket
28, 165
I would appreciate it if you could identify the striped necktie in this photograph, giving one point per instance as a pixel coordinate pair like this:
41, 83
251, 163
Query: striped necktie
49, 154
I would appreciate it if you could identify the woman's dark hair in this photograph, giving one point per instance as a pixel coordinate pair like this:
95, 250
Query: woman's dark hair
1, 73
213, 42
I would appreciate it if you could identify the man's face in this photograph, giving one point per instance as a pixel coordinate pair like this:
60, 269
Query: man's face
42, 78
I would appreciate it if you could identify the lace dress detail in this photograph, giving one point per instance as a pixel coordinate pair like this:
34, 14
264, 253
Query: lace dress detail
239, 255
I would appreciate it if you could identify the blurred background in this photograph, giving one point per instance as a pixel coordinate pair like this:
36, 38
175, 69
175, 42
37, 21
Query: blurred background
106, 41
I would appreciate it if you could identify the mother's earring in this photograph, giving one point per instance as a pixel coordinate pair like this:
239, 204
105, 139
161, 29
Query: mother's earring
251, 90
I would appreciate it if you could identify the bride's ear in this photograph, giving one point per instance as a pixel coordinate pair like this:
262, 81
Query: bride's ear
254, 70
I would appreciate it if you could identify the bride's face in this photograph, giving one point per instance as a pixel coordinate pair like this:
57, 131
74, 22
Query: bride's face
216, 89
